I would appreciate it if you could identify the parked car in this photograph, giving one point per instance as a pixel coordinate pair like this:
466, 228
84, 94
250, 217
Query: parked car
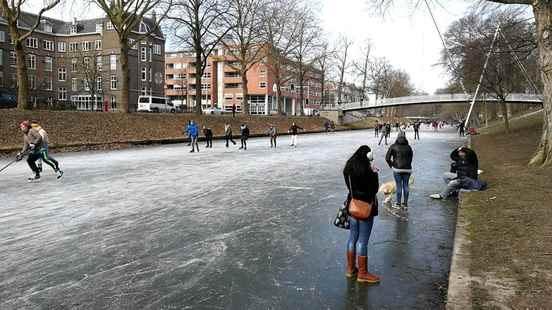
155, 104
7, 101
214, 111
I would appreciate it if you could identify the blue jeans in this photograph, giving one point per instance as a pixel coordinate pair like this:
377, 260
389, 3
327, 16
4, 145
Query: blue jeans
455, 185
401, 180
359, 235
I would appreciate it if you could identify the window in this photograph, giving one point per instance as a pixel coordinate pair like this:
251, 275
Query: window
157, 49
109, 25
32, 82
178, 66
150, 74
86, 62
74, 65
62, 93
2, 36
132, 44
32, 42
144, 74
61, 47
98, 45
48, 63
150, 54
13, 59
49, 45
232, 74
31, 62
86, 45
99, 27
73, 46
144, 91
113, 62
74, 84
46, 26
205, 86
1, 57
99, 63
262, 84
86, 85
49, 83
113, 82
99, 85
74, 29
62, 74
143, 53
113, 103
232, 85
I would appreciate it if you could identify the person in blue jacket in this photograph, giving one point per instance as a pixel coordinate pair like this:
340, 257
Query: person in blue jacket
193, 133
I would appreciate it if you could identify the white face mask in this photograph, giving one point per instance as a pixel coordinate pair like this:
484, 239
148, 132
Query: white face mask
370, 156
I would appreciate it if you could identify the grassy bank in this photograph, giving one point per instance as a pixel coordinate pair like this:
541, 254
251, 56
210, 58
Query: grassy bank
69, 130
509, 224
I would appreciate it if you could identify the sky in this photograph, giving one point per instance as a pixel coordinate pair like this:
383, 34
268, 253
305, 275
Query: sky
405, 35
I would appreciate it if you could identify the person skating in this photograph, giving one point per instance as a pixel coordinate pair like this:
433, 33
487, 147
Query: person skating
273, 134
384, 134
363, 184
461, 129
244, 135
233, 110
33, 145
399, 158
377, 129
417, 131
193, 132
44, 135
228, 134
294, 130
463, 173
208, 133
327, 126
187, 131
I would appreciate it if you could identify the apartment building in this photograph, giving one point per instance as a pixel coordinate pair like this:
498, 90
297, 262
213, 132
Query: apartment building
222, 85
349, 93
77, 62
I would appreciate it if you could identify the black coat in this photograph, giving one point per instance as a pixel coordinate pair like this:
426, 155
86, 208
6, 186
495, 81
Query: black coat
208, 133
245, 132
365, 188
466, 167
399, 155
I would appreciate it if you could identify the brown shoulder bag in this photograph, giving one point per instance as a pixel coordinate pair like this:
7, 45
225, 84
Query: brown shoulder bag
360, 210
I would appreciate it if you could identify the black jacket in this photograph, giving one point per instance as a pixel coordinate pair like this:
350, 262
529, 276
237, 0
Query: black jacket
466, 167
399, 155
365, 188
245, 132
208, 133
294, 128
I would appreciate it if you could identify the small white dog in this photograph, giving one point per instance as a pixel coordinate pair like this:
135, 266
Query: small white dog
389, 188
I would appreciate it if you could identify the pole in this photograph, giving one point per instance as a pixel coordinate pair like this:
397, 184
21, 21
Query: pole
482, 74
9, 164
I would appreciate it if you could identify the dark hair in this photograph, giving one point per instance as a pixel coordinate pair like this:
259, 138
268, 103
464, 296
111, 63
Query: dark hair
358, 164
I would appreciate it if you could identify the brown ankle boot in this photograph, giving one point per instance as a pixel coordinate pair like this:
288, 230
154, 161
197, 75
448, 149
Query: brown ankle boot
363, 274
351, 265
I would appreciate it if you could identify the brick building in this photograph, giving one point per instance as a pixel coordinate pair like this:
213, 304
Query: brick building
222, 85
78, 62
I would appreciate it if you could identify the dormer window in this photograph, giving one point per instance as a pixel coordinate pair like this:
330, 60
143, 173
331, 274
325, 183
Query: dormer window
46, 26
99, 27
74, 29
143, 28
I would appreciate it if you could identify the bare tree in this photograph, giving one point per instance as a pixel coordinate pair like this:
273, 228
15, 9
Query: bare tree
361, 67
90, 68
542, 10
323, 62
343, 64
281, 33
198, 25
244, 43
379, 70
12, 12
125, 16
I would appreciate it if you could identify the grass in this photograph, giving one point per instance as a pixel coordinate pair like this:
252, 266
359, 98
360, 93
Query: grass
510, 230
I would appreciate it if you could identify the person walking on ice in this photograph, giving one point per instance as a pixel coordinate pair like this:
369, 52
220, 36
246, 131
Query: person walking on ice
228, 134
273, 134
244, 135
294, 129
33, 144
208, 132
193, 132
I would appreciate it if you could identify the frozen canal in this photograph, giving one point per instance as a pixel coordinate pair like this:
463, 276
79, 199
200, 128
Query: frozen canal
160, 228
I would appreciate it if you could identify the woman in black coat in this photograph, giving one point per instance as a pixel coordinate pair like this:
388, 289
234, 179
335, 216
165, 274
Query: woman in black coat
363, 183
399, 158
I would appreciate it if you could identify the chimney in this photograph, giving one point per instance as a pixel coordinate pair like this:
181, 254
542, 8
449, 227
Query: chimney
74, 20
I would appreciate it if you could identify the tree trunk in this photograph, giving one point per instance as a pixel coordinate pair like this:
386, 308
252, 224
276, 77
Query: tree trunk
245, 99
199, 73
123, 58
543, 17
280, 99
505, 116
22, 78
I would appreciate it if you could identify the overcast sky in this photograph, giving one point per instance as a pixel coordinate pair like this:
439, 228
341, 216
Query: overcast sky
406, 36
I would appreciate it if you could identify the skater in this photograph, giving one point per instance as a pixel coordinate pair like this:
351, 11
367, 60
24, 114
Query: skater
33, 143
461, 129
233, 110
327, 126
44, 135
228, 134
193, 132
293, 130
417, 131
186, 130
463, 173
399, 158
377, 129
208, 136
384, 133
273, 134
363, 183
244, 135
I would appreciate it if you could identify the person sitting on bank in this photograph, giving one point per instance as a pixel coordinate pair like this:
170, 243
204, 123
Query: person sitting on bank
463, 174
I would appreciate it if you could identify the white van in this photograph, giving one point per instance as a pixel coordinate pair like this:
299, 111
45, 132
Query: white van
155, 104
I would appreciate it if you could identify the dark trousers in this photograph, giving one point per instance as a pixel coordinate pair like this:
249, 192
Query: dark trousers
209, 140
376, 132
243, 143
273, 141
33, 157
229, 138
416, 135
